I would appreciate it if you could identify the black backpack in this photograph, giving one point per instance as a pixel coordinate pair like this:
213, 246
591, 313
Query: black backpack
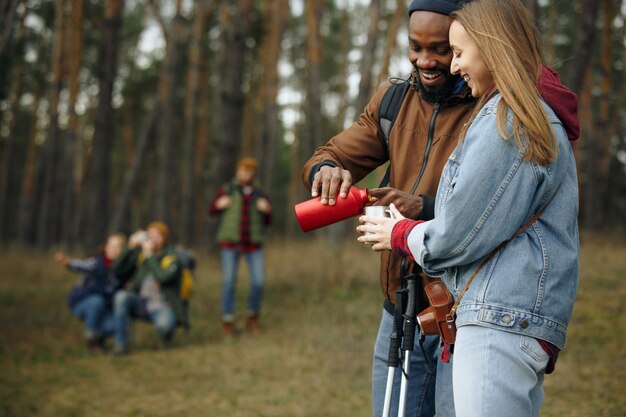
387, 114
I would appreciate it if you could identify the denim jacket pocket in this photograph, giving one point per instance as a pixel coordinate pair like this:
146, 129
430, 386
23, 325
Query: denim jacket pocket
450, 278
448, 177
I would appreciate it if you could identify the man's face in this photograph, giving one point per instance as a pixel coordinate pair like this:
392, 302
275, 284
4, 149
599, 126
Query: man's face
245, 175
430, 54
157, 239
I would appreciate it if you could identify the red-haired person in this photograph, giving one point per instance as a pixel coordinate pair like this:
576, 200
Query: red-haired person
244, 213
154, 293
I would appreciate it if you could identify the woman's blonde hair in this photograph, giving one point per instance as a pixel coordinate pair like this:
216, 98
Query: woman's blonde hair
508, 42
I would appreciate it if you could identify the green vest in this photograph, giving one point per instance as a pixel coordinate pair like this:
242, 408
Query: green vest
229, 229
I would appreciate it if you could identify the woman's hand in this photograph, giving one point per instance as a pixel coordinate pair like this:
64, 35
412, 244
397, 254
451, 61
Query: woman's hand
376, 231
62, 258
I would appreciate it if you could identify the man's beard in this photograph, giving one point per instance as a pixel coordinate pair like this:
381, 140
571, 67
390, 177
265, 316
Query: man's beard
435, 95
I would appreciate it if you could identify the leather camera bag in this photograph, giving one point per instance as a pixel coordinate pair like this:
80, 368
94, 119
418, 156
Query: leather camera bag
433, 320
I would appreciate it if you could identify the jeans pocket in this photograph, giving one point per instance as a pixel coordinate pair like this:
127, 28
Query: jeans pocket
532, 348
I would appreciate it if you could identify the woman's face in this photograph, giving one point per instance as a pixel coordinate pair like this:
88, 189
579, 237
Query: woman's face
468, 62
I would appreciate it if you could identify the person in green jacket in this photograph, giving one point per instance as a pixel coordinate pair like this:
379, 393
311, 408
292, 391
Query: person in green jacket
154, 291
244, 214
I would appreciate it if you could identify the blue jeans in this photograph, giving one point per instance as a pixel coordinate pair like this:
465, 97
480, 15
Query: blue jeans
420, 398
129, 305
497, 373
93, 310
256, 268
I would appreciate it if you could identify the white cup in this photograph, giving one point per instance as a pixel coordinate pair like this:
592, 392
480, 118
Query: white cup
377, 211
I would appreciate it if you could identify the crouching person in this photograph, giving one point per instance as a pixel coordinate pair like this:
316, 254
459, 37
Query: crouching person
154, 293
92, 298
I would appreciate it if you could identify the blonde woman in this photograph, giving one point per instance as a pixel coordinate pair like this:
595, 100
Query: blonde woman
513, 163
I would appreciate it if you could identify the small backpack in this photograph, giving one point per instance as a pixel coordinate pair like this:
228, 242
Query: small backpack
188, 262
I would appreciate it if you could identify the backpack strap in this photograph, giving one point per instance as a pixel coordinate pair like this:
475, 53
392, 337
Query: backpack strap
388, 112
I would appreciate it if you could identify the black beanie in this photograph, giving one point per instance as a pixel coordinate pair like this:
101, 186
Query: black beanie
437, 6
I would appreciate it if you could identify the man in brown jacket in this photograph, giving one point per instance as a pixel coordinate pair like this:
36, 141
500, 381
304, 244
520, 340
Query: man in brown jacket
424, 134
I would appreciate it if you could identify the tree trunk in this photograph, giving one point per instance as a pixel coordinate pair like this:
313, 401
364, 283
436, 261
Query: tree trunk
129, 185
201, 155
234, 20
188, 185
369, 56
8, 175
598, 155
306, 142
314, 10
48, 215
399, 16
29, 198
7, 170
167, 178
67, 176
9, 10
95, 193
583, 49
345, 47
276, 13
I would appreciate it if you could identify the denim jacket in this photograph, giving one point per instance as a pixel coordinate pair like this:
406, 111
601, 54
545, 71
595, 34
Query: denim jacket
486, 193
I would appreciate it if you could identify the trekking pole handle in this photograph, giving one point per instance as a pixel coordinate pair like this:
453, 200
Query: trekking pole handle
409, 316
393, 360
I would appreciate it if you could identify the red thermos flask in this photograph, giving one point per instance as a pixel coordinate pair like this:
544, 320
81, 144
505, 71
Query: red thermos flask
311, 214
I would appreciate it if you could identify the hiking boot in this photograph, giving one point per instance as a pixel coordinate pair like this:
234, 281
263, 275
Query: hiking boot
167, 342
119, 350
228, 329
252, 324
96, 345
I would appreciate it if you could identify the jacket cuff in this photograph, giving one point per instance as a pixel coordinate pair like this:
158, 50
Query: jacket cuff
400, 236
428, 207
317, 168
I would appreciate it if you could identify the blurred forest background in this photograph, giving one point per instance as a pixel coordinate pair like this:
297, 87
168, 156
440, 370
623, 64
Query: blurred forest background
117, 112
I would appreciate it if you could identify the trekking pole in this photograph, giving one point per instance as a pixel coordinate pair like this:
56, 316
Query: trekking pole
408, 341
393, 359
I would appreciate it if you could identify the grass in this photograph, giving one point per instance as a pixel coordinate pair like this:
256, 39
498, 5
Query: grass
320, 319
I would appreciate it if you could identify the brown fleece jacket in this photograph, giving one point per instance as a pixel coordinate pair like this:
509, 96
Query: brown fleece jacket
360, 149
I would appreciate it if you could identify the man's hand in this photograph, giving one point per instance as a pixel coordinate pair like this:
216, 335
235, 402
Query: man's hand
408, 204
223, 202
332, 180
136, 239
263, 205
148, 248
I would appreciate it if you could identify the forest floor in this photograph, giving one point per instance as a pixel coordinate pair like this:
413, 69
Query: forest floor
313, 358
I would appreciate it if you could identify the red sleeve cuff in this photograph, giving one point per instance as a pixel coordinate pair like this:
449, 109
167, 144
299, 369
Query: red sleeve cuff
400, 235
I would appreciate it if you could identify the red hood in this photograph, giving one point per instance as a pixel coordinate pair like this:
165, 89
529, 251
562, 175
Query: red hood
563, 101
